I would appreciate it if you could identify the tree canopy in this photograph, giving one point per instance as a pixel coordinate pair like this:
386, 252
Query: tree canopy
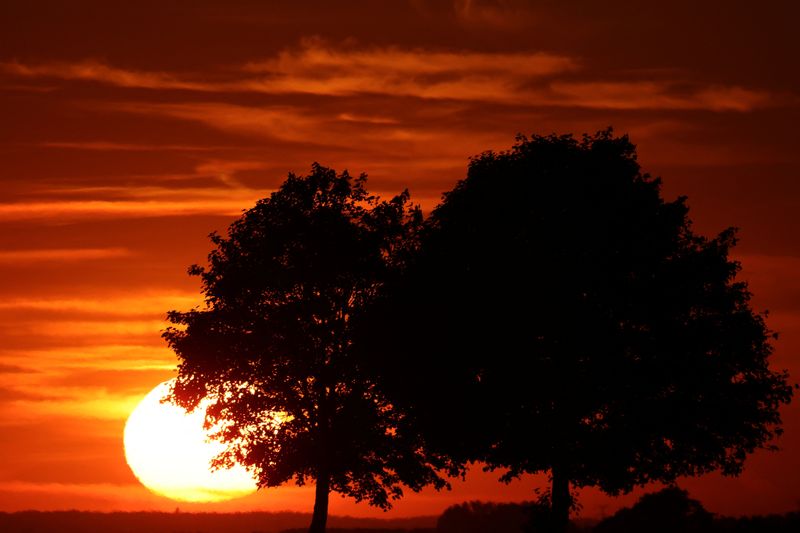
568, 319
271, 348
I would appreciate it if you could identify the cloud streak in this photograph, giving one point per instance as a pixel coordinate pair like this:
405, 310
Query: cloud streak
60, 254
654, 95
105, 146
70, 210
90, 70
154, 304
532, 78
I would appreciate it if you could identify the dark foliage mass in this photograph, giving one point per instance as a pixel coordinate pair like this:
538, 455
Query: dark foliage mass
560, 316
670, 510
478, 517
666, 511
271, 349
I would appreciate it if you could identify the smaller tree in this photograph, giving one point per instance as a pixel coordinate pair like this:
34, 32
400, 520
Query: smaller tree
271, 349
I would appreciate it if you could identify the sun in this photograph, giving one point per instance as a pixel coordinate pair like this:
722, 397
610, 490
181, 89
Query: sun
169, 452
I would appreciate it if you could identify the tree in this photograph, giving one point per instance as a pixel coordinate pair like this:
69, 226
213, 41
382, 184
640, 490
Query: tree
569, 320
271, 349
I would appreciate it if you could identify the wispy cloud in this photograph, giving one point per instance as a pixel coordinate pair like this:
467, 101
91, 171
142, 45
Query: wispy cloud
68, 210
461, 75
531, 78
13, 369
106, 146
316, 68
277, 122
90, 70
315, 56
499, 15
654, 95
95, 405
60, 254
128, 356
388, 136
156, 304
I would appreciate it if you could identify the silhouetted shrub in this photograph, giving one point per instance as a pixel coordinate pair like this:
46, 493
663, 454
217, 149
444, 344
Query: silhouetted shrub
482, 517
669, 511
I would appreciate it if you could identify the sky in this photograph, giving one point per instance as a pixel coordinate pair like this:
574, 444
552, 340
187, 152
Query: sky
131, 130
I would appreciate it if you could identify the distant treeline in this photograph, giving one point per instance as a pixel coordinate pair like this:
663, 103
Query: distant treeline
668, 511
367, 530
180, 522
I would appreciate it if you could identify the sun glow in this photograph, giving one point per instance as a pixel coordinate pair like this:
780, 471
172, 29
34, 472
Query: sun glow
169, 452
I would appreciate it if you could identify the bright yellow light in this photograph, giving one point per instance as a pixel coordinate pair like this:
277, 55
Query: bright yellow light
169, 452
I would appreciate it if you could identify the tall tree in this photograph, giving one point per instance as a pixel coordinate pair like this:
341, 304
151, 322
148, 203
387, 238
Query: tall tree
572, 322
271, 348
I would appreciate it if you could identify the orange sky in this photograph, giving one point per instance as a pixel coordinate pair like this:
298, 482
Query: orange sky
129, 131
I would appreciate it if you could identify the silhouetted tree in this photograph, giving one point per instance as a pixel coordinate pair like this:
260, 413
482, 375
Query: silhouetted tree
567, 319
666, 511
271, 349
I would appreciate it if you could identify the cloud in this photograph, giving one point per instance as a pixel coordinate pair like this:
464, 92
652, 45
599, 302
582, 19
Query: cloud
83, 403
497, 14
316, 68
59, 254
316, 57
386, 135
15, 394
117, 356
70, 210
90, 70
147, 304
301, 127
533, 78
368, 119
529, 78
277, 122
94, 329
654, 95
14, 369
106, 146
116, 380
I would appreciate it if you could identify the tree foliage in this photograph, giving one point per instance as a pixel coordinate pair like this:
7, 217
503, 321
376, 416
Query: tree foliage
574, 323
271, 348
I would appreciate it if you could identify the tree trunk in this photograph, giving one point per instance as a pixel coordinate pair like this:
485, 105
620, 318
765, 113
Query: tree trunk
560, 500
320, 517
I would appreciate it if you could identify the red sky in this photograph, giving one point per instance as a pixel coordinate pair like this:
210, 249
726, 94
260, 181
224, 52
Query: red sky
129, 131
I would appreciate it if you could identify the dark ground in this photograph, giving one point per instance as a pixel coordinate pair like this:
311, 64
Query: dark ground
670, 510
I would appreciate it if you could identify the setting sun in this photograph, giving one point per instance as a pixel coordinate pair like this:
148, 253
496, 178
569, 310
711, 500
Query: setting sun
169, 452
